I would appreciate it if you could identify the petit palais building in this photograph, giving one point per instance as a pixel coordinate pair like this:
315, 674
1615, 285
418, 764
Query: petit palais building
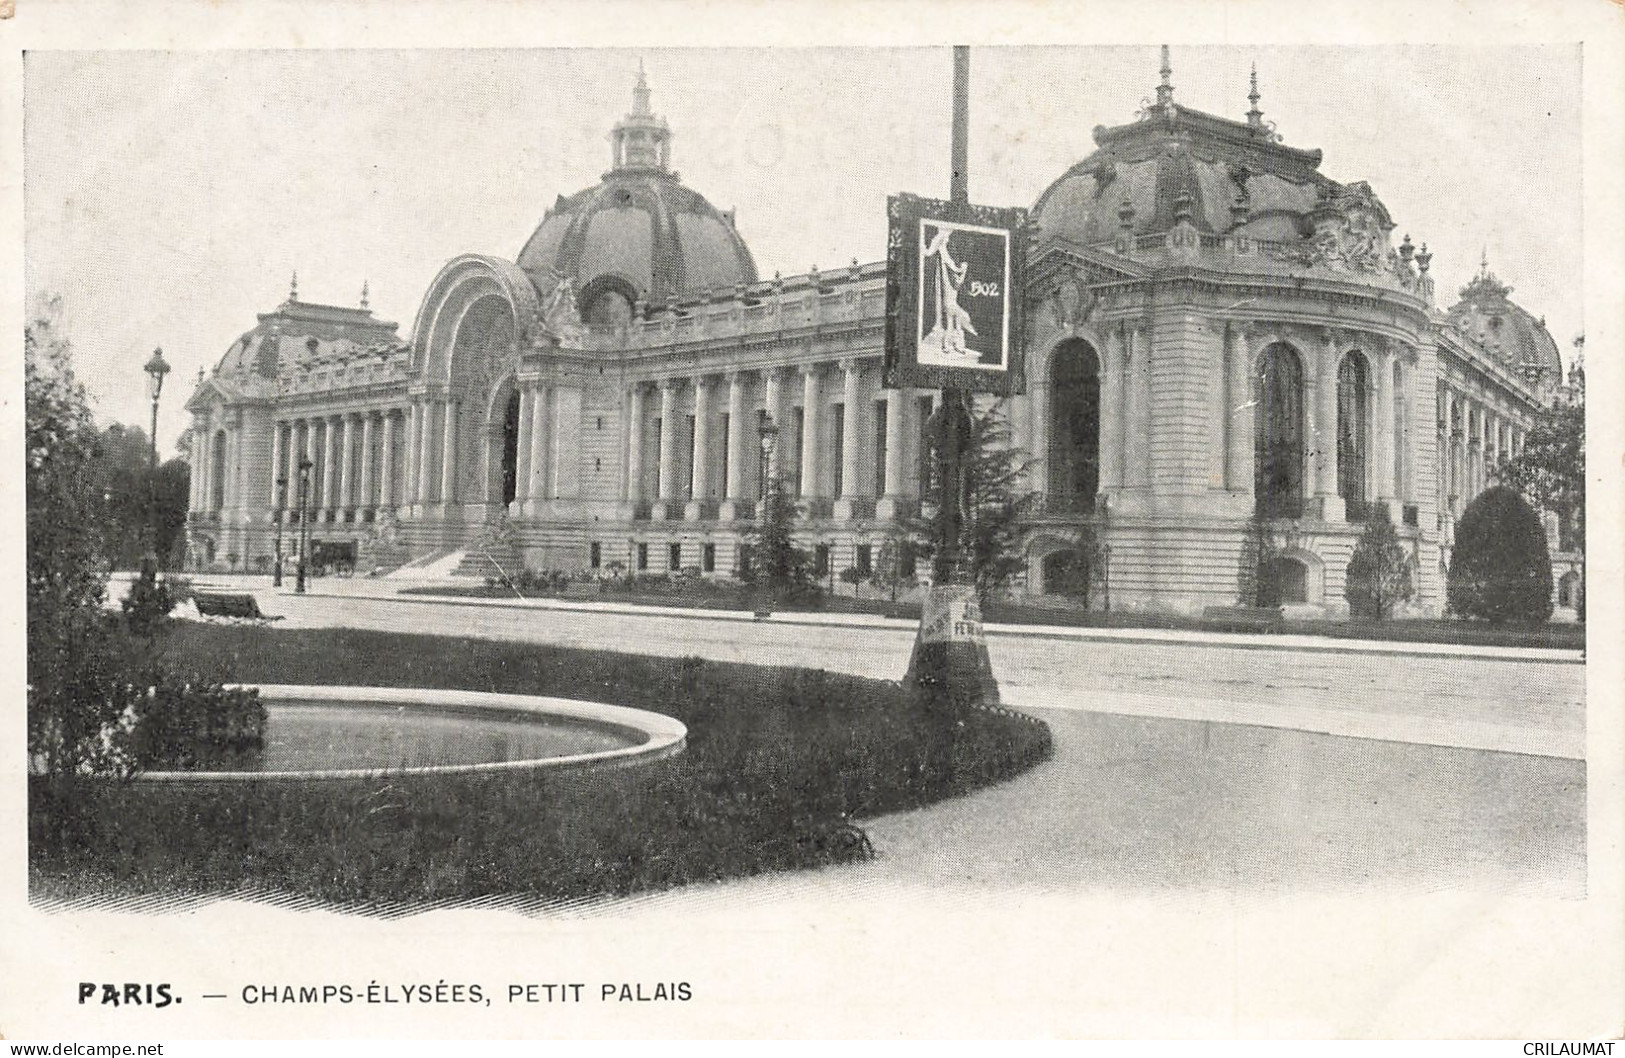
1220, 337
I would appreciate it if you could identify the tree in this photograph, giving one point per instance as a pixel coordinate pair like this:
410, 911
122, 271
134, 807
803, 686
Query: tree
1500, 569
1255, 577
894, 565
171, 495
145, 508
1379, 572
66, 563
776, 561
67, 568
1550, 471
101, 701
997, 503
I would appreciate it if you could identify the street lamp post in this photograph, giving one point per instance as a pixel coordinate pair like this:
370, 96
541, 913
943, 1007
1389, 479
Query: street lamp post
770, 498
156, 369
276, 515
304, 531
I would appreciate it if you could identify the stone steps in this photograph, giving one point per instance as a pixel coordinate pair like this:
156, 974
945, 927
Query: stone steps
489, 560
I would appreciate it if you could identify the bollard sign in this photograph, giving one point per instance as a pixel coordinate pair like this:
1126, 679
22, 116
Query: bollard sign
954, 275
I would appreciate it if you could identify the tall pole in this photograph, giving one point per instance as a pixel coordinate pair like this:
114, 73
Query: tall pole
281, 504
949, 667
304, 532
953, 424
152, 491
959, 185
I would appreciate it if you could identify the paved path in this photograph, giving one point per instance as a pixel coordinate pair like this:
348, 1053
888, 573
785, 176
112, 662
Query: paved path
1504, 700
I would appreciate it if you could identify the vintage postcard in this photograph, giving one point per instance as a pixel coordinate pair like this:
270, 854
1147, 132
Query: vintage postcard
825, 520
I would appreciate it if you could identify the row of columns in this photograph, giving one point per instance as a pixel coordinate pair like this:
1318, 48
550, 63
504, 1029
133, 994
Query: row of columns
431, 451
1473, 439
539, 450
1126, 426
766, 390
338, 480
205, 491
1383, 441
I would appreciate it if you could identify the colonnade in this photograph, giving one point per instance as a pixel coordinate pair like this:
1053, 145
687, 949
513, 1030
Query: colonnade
352, 457
541, 453
848, 445
1474, 437
1389, 477
205, 492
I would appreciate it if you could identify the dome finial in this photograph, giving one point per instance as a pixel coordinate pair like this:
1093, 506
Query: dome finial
1255, 117
1165, 90
1484, 262
640, 94
293, 286
641, 140
363, 293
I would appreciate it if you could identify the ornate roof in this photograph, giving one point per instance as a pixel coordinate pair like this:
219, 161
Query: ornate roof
640, 231
295, 337
1226, 178
1504, 328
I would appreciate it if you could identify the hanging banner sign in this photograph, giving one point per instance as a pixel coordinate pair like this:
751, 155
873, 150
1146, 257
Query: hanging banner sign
954, 276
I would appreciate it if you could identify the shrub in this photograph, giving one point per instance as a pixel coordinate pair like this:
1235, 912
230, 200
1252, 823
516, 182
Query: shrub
148, 603
183, 721
1379, 571
1500, 569
122, 707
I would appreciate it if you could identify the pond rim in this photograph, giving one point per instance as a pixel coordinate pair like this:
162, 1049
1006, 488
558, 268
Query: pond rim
660, 735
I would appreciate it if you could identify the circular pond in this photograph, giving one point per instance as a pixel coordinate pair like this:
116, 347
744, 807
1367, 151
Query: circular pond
362, 732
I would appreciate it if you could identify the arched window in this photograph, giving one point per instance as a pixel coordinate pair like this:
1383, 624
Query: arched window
1278, 433
1402, 433
1353, 432
510, 448
217, 472
607, 301
1074, 434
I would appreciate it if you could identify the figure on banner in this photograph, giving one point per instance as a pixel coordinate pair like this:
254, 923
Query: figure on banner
952, 323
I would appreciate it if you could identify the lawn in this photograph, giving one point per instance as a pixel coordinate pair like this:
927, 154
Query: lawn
778, 764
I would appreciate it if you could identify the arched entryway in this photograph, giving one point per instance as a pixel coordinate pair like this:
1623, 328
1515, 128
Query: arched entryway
1074, 427
1278, 452
1283, 579
510, 447
483, 347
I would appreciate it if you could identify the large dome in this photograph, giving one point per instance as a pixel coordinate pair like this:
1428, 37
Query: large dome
639, 234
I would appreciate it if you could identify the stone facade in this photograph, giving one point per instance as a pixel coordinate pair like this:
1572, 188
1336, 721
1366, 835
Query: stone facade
1217, 333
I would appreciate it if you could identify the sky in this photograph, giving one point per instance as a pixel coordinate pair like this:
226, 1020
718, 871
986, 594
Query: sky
169, 196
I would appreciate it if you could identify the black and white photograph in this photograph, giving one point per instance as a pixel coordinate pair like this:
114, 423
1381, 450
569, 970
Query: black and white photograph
528, 531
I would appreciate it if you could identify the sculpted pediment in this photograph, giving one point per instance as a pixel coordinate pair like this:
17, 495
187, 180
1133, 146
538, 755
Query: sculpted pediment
1064, 285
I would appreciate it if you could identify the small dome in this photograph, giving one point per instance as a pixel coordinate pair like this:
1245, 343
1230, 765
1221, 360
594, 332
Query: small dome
1487, 315
639, 233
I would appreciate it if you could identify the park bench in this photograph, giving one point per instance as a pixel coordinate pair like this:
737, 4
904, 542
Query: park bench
1243, 618
235, 606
